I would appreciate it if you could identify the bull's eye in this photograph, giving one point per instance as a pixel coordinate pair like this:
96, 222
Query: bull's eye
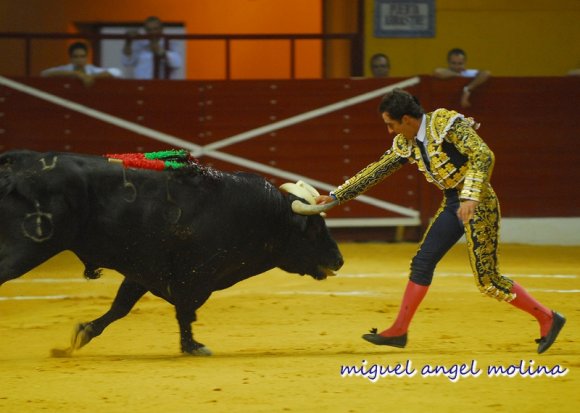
313, 231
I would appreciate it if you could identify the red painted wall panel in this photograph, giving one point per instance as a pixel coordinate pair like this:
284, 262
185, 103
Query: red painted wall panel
531, 124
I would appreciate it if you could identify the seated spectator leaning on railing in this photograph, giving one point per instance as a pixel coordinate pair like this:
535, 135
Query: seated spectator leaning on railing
78, 67
456, 59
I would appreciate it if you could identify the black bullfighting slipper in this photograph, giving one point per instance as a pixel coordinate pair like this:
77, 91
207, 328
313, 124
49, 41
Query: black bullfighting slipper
397, 341
545, 342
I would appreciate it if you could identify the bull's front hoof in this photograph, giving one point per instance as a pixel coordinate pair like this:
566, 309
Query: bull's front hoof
199, 352
196, 349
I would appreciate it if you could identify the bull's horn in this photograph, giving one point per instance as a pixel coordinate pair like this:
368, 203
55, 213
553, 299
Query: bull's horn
302, 190
305, 209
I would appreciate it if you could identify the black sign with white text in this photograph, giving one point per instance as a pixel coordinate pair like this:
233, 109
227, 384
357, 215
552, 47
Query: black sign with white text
404, 18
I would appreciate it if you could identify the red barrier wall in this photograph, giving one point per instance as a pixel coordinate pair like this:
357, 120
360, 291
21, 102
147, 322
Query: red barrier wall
532, 125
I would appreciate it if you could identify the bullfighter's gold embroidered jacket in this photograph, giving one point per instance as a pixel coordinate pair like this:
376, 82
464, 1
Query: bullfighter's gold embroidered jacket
458, 158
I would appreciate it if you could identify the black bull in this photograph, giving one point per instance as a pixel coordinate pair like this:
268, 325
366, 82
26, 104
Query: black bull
178, 234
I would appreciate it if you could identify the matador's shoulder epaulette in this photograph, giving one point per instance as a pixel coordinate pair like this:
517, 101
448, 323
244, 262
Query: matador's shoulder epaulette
440, 121
401, 146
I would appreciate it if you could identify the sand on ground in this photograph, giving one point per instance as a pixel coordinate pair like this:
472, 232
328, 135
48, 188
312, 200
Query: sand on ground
285, 343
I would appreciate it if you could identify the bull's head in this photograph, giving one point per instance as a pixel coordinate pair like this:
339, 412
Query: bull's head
308, 193
313, 251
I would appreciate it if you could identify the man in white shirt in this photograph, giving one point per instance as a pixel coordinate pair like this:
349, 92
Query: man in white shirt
148, 57
456, 59
78, 67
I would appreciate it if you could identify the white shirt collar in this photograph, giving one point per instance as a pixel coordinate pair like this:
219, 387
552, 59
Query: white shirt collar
421, 134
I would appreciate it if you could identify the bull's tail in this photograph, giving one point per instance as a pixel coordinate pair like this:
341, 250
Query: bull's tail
6, 179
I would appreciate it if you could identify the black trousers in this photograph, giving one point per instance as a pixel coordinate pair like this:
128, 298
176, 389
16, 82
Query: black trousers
482, 235
445, 230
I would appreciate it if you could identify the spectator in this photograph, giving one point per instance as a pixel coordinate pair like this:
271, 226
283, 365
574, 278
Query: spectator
456, 60
380, 65
147, 57
78, 67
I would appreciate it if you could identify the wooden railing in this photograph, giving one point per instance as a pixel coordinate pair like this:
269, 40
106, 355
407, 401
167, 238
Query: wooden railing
355, 41
531, 124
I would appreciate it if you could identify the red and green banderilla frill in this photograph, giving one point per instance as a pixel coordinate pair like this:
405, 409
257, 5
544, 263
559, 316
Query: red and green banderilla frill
172, 159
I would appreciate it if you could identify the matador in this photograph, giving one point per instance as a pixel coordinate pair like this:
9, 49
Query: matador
446, 148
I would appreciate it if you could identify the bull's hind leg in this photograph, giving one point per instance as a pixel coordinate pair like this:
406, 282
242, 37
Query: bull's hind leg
17, 260
127, 296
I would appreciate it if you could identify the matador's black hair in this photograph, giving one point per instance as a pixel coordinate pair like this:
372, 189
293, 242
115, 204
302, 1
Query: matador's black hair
399, 103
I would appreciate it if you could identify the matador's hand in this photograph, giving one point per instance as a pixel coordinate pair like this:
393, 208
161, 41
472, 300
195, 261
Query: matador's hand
466, 210
324, 199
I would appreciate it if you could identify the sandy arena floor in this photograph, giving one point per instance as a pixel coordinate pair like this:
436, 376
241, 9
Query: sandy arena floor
280, 342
